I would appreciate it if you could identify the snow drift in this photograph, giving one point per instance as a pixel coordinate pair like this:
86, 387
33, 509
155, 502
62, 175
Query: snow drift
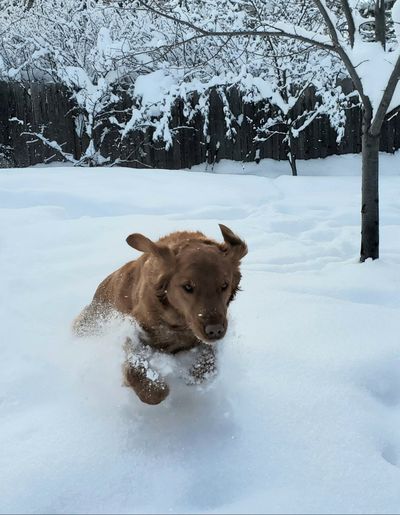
304, 414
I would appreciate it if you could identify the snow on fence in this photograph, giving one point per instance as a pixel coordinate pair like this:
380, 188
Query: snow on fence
37, 108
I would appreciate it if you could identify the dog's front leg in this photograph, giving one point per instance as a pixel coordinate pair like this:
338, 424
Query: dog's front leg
147, 383
204, 366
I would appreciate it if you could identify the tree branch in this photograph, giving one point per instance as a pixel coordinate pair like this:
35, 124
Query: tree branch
350, 20
380, 22
280, 31
354, 77
340, 50
323, 9
52, 144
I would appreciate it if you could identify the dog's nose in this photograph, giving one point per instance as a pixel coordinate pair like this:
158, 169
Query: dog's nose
214, 331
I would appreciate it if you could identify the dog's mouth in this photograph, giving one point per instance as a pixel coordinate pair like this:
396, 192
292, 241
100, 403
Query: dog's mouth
202, 339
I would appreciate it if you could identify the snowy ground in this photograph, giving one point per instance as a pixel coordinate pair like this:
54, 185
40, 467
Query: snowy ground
305, 413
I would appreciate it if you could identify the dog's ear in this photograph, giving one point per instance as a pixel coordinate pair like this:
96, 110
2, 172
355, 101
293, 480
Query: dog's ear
234, 246
144, 244
140, 242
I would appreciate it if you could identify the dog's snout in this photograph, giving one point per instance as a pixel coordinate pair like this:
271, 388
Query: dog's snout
214, 331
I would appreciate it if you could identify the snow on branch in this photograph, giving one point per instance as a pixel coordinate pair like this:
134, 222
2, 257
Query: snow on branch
38, 136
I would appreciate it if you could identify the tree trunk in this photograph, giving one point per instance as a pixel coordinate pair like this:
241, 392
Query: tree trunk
292, 156
370, 193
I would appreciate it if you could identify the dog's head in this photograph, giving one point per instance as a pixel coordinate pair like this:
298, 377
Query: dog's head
198, 279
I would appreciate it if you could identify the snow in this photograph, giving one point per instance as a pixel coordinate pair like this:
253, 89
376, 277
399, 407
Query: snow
152, 87
374, 67
303, 415
337, 166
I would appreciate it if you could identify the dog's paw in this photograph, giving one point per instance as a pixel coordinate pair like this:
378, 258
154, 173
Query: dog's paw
149, 391
154, 392
203, 370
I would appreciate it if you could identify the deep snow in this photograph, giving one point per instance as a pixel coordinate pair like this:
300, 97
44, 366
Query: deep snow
304, 415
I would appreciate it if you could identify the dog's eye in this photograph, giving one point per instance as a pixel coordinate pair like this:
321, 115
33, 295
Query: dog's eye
188, 288
224, 286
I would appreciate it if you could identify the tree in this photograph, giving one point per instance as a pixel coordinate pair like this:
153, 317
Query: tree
296, 72
335, 26
84, 45
102, 51
275, 74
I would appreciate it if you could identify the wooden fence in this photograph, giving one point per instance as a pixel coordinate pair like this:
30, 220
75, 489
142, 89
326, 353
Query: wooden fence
33, 107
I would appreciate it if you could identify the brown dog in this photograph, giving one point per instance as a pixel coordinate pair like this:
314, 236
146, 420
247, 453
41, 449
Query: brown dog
178, 291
